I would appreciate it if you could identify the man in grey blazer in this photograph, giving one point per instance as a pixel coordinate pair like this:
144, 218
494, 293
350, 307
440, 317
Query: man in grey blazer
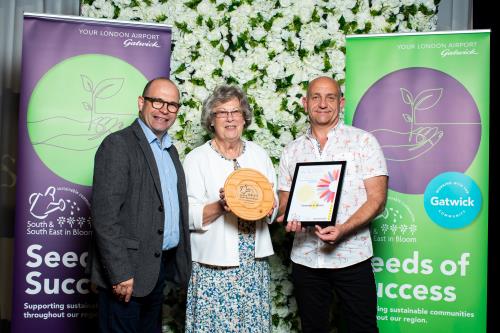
140, 216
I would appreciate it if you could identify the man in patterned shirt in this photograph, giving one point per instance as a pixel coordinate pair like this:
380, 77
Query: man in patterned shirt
335, 257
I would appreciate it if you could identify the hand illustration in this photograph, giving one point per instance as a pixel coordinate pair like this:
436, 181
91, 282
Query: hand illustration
406, 146
71, 134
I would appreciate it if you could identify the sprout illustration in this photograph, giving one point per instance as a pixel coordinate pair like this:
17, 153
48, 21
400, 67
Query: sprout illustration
425, 100
105, 89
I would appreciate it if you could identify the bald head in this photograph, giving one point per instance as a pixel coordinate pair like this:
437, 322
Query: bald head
162, 79
323, 81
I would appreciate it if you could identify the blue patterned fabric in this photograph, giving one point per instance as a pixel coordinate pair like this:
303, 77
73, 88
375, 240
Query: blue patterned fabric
231, 299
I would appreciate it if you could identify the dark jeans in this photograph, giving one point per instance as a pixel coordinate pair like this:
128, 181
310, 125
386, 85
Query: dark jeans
140, 314
355, 287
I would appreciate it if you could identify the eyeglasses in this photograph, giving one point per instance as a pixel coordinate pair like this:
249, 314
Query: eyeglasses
158, 104
225, 113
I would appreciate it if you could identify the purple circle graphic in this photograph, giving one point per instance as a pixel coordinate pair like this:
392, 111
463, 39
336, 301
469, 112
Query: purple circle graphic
426, 122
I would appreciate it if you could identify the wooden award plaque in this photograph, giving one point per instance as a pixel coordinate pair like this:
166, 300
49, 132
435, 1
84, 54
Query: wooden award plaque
249, 194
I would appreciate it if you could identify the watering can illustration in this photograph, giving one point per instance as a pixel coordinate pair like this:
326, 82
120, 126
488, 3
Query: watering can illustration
41, 205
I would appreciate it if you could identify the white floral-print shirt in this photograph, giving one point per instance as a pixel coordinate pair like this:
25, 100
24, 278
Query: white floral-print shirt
364, 160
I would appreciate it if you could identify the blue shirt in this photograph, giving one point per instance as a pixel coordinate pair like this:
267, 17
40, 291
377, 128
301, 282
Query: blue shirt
168, 180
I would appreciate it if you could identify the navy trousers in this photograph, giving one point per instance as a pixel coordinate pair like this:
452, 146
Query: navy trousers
140, 314
355, 288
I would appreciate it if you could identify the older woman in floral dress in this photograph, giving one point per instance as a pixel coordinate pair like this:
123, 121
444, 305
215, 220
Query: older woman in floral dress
229, 286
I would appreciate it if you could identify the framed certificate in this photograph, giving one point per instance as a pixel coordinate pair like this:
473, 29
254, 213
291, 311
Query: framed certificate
315, 193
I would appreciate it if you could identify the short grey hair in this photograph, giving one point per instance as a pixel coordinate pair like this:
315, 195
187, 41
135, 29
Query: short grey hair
220, 95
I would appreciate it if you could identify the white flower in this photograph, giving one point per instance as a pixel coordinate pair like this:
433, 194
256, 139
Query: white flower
122, 3
258, 33
408, 2
379, 24
285, 3
207, 9
343, 5
275, 70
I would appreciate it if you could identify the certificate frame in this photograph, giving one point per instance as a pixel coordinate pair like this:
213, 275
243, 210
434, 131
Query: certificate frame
315, 193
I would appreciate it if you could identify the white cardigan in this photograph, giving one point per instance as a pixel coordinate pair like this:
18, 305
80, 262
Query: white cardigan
206, 172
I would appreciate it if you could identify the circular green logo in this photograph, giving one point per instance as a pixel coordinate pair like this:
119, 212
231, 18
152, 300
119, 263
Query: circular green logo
75, 105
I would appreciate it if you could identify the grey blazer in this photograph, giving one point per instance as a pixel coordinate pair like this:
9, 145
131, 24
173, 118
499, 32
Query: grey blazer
128, 217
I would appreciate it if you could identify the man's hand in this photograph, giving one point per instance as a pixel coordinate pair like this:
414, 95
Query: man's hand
123, 290
330, 235
291, 226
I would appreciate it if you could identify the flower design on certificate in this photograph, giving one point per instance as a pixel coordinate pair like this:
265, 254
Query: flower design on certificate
327, 186
305, 193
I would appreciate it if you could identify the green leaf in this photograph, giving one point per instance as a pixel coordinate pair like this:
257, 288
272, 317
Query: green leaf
282, 85
183, 27
269, 24
191, 103
217, 72
296, 24
198, 82
179, 135
210, 24
116, 12
274, 129
248, 84
327, 43
180, 69
289, 45
315, 16
258, 120
231, 80
192, 4
409, 10
234, 4
256, 21
199, 20
161, 18
342, 23
424, 10
283, 104
355, 9
249, 134
326, 63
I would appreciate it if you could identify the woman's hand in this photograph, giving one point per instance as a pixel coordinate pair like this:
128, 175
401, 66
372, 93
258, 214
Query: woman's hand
222, 201
271, 212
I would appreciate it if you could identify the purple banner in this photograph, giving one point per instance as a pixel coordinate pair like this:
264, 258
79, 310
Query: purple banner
80, 82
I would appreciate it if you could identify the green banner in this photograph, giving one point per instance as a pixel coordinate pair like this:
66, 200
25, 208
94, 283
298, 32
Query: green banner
425, 97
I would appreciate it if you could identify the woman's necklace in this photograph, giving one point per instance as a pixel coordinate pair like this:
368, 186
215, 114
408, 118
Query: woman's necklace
241, 149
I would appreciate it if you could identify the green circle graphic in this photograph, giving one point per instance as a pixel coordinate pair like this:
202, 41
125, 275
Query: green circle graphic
75, 105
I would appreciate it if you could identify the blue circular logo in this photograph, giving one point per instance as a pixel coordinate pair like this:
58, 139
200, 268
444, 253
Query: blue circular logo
452, 200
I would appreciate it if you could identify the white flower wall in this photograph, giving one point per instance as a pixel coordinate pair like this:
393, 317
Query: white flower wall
271, 49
